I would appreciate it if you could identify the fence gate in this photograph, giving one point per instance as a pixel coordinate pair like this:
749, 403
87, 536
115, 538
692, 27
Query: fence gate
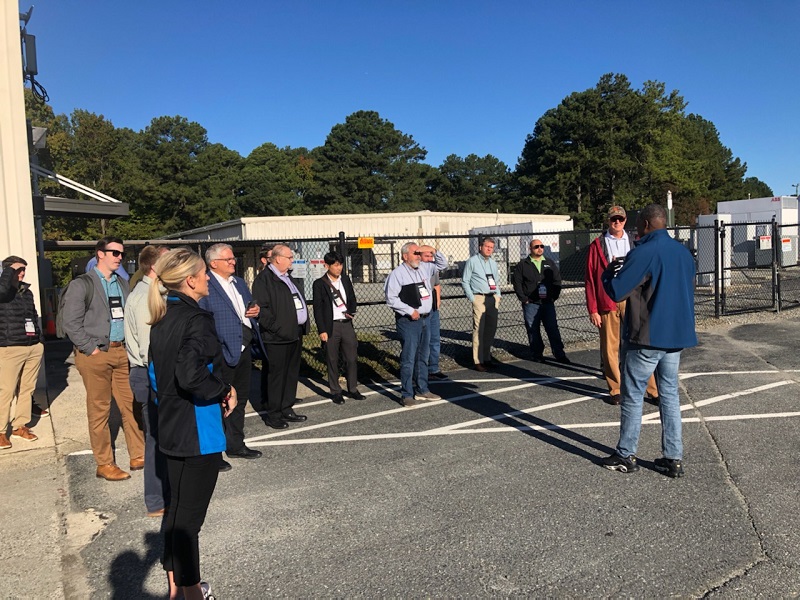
747, 273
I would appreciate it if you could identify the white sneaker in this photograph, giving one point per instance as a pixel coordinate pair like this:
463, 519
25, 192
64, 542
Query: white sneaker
427, 396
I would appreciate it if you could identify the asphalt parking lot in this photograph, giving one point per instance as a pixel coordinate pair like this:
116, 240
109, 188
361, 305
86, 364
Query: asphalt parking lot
493, 491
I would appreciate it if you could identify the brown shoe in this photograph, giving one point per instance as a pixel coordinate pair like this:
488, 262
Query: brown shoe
613, 399
156, 513
112, 473
24, 433
4, 443
137, 464
480, 368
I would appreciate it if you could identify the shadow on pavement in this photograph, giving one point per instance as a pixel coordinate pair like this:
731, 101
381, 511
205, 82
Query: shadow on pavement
129, 570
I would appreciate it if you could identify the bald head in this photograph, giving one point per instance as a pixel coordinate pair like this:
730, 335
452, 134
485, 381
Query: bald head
652, 217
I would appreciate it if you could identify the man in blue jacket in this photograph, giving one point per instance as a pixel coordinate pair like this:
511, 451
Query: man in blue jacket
657, 279
235, 316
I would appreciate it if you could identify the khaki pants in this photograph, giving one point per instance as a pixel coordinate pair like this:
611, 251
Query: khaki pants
104, 374
484, 327
19, 369
610, 328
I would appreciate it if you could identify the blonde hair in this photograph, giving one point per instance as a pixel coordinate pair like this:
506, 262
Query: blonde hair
172, 269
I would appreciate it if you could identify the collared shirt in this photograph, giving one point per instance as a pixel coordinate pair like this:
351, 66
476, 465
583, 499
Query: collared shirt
339, 311
302, 313
235, 297
475, 279
112, 288
137, 323
537, 262
617, 247
405, 275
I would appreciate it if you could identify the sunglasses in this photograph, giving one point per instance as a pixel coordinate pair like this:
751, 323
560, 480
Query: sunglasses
114, 253
617, 219
537, 246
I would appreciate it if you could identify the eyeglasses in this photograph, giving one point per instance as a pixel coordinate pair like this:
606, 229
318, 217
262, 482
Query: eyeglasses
282, 256
537, 245
114, 253
617, 219
227, 260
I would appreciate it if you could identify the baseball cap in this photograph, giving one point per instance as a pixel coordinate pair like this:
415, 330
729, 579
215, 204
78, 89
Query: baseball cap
617, 211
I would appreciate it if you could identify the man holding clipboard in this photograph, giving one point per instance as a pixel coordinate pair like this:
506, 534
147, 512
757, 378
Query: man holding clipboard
409, 294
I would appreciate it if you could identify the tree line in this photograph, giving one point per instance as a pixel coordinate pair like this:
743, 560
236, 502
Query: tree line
611, 144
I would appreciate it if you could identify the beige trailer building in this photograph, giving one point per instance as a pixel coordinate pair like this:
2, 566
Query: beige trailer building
314, 235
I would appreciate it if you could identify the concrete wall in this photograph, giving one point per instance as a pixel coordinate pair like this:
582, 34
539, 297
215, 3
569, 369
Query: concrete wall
17, 232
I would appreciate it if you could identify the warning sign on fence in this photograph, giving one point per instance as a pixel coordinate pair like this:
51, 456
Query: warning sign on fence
366, 243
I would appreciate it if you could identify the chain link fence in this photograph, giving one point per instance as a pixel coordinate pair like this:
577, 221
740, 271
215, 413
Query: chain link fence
740, 267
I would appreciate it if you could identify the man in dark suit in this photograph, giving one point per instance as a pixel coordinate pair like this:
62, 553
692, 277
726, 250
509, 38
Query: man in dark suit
334, 310
235, 316
284, 322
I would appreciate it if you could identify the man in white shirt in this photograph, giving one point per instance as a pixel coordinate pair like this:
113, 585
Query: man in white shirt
234, 312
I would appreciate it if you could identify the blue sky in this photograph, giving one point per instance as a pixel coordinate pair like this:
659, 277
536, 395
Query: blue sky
460, 76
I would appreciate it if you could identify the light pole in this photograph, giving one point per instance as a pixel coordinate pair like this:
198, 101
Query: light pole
670, 214
796, 186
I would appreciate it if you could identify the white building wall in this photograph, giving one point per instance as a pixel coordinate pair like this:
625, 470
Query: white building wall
17, 232
370, 225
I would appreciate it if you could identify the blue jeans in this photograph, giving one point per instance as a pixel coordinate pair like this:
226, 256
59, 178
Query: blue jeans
638, 363
156, 482
434, 323
546, 314
415, 337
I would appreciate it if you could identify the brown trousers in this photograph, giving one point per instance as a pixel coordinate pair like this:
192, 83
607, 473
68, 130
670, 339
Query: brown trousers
106, 374
19, 369
610, 328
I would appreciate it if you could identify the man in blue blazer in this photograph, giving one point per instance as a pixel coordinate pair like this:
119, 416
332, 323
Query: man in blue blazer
235, 316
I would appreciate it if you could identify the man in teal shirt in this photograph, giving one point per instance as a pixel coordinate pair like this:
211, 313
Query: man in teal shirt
481, 283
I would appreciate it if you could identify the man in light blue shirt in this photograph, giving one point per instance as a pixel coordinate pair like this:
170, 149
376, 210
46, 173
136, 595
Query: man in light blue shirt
409, 294
481, 283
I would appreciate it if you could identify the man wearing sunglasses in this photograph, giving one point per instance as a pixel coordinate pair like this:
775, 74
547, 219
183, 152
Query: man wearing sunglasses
97, 329
537, 283
604, 313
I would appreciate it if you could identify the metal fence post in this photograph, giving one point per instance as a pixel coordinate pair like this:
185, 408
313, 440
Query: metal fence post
776, 303
343, 251
717, 268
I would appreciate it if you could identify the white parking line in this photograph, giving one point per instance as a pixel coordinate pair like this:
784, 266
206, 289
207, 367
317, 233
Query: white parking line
535, 382
715, 399
507, 429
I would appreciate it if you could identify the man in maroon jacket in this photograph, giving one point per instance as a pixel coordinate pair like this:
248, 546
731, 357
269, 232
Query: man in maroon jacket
604, 313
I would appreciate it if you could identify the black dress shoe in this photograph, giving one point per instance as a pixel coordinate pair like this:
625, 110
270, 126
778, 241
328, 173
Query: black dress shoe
538, 358
279, 424
224, 465
564, 360
480, 368
244, 452
438, 375
337, 399
357, 395
293, 417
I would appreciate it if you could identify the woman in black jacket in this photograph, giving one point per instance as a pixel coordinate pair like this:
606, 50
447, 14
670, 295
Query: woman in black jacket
185, 371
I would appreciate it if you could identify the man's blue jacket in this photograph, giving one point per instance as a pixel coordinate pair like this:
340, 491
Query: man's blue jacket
657, 280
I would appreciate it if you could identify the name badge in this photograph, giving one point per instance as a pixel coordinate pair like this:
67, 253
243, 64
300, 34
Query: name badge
490, 279
424, 294
298, 303
337, 299
30, 328
115, 304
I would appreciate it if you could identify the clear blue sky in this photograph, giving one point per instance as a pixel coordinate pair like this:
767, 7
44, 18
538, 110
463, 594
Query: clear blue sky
459, 76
